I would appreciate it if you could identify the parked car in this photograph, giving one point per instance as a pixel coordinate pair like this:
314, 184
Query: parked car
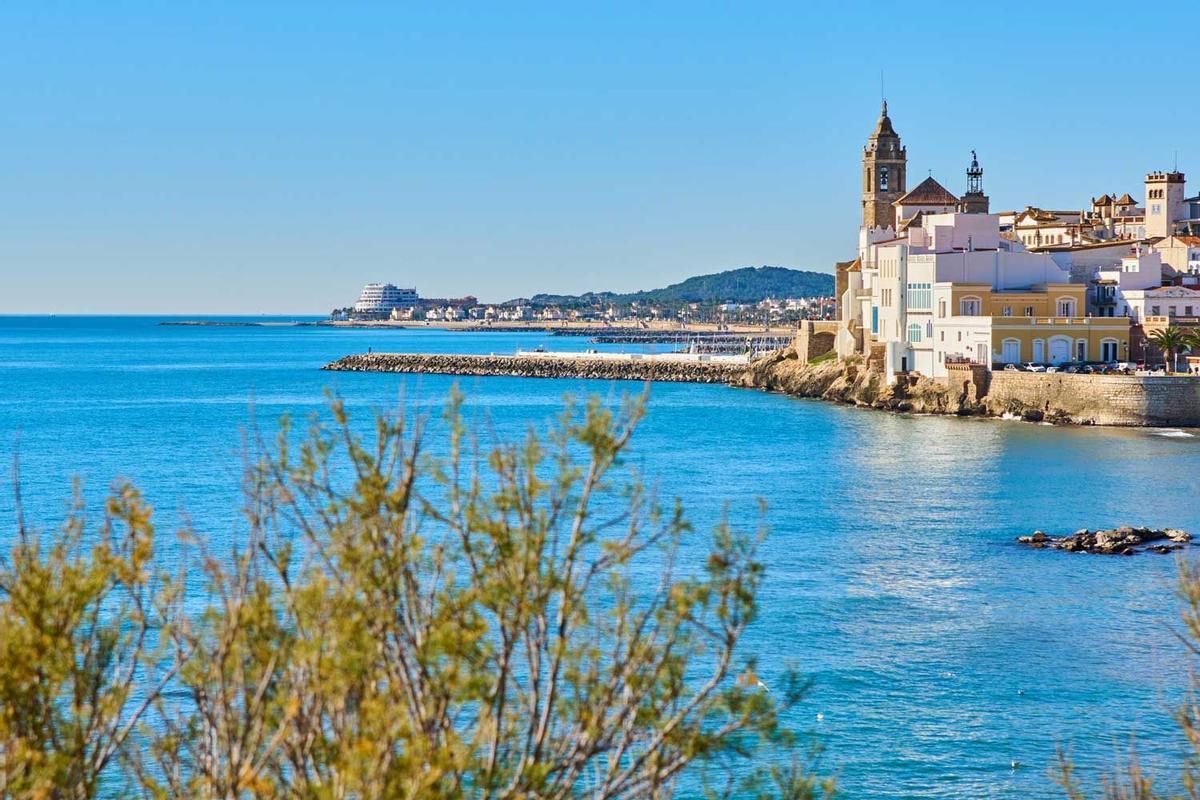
1051, 368
1012, 368
1035, 367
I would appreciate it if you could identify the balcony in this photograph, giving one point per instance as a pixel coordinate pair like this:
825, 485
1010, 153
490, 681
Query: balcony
1000, 322
1162, 321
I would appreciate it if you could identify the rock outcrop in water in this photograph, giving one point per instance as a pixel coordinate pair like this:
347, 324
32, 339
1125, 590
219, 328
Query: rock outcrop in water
1125, 541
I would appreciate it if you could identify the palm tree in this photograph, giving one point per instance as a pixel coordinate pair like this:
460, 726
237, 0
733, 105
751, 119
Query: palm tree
1169, 340
1191, 340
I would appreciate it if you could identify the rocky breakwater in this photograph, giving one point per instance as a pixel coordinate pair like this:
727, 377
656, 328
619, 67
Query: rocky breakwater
591, 366
1124, 541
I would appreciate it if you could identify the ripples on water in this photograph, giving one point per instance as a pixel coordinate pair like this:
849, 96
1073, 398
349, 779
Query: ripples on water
941, 651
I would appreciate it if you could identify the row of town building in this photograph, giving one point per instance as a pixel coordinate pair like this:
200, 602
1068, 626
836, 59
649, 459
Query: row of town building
385, 301
940, 279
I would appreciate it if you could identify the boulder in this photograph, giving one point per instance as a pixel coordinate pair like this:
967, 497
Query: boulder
1125, 540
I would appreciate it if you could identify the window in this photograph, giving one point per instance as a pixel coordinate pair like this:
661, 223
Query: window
1029, 311
1008, 311
1081, 350
875, 319
1156, 311
941, 336
942, 308
1187, 311
1108, 350
1156, 209
914, 333
920, 295
969, 306
883, 179
1066, 307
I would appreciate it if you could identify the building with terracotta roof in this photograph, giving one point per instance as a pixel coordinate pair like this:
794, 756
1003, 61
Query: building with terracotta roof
929, 197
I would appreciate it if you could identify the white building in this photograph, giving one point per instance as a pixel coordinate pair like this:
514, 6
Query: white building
1163, 304
382, 298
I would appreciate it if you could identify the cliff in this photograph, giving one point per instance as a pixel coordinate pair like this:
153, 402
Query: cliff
853, 382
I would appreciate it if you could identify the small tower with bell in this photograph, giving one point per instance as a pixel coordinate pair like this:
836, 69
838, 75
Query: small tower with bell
974, 201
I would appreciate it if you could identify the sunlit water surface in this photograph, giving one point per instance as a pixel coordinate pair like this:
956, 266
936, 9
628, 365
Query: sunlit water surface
940, 651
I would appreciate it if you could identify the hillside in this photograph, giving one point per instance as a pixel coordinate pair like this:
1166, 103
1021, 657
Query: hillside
746, 285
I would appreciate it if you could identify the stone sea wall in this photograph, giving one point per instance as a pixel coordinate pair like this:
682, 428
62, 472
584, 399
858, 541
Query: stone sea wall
1098, 399
1050, 397
528, 366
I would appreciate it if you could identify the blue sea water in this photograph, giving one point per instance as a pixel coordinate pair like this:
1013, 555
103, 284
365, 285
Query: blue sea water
940, 651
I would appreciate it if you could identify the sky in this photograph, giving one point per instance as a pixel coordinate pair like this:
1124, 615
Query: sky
258, 157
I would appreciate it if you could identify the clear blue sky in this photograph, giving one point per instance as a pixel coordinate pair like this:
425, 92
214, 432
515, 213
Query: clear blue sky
272, 157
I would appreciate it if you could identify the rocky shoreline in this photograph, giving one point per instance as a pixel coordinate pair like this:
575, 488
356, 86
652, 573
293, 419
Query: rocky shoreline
531, 366
855, 383
1060, 399
1125, 541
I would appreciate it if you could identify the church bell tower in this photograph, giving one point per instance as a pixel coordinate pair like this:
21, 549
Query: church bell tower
884, 164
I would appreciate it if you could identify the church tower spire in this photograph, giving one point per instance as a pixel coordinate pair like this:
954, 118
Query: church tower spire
884, 165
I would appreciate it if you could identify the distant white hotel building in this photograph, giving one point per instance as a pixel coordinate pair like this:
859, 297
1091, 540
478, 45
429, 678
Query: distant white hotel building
383, 298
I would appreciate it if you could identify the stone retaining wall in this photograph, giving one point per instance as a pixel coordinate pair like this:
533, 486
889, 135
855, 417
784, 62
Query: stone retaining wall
1149, 400
535, 367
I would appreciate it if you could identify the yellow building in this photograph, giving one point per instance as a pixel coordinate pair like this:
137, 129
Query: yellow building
1042, 324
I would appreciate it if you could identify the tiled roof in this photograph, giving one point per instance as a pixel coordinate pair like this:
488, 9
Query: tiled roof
928, 193
914, 221
1126, 200
1104, 200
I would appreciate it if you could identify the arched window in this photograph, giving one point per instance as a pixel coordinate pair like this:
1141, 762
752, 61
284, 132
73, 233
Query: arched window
970, 306
883, 179
1065, 306
914, 332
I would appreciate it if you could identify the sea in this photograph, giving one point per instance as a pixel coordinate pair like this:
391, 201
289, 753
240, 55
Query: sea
946, 660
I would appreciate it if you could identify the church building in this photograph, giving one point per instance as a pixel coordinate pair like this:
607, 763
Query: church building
936, 283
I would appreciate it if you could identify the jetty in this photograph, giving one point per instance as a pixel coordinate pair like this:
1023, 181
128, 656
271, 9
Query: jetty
669, 367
